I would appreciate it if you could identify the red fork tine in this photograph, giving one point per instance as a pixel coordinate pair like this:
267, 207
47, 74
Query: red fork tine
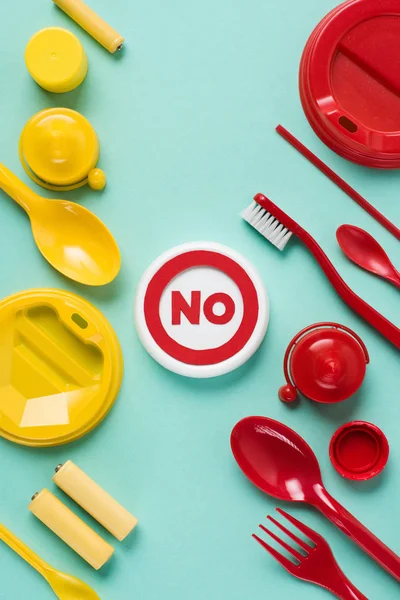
296, 539
285, 562
299, 557
312, 535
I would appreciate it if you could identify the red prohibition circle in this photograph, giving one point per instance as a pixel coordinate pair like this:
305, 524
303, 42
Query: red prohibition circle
179, 264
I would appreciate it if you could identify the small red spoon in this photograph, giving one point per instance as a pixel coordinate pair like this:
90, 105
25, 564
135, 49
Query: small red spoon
360, 247
279, 462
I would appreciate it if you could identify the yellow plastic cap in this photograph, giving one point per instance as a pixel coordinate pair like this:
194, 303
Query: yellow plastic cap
56, 60
60, 147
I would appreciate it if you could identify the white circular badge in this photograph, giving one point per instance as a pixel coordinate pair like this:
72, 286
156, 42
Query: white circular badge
201, 309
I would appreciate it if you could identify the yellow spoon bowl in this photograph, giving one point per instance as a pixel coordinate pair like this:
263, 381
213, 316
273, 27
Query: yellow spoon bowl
70, 237
64, 586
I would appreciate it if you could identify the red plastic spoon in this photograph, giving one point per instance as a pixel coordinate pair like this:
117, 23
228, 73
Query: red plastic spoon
360, 247
279, 462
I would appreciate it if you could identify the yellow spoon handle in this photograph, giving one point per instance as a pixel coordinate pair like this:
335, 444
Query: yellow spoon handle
24, 552
17, 190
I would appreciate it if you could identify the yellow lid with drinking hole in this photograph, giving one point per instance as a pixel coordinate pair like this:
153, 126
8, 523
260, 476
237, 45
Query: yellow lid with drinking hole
61, 367
56, 60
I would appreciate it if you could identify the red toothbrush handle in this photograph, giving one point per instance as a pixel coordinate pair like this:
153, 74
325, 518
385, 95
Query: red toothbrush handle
369, 314
345, 521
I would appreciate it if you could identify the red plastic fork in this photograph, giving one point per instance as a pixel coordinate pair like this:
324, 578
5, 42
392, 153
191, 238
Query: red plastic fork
317, 565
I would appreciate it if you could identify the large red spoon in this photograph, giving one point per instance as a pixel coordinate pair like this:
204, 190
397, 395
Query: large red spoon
279, 462
360, 247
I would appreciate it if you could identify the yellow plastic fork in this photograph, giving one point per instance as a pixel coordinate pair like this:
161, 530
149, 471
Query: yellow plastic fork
64, 586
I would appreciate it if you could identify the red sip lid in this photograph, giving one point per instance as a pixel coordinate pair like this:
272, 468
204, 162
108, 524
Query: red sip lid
326, 362
359, 450
201, 309
350, 81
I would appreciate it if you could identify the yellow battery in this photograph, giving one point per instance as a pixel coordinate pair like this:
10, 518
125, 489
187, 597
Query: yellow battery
92, 23
71, 529
96, 501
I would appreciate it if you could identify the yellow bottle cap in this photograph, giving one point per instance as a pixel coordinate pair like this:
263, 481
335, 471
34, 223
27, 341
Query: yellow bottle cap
59, 150
56, 60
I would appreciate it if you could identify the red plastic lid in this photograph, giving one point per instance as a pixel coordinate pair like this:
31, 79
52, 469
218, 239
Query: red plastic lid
359, 450
350, 81
327, 365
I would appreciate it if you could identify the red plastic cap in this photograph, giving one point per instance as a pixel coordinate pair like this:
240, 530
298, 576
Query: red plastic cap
359, 450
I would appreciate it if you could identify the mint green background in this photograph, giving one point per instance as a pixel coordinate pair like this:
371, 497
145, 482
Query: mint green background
186, 118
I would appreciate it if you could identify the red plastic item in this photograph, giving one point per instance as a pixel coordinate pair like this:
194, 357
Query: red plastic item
363, 249
359, 450
350, 82
317, 565
362, 308
287, 393
351, 192
280, 463
326, 362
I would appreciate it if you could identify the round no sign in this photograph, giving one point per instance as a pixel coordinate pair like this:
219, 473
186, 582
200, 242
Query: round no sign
201, 309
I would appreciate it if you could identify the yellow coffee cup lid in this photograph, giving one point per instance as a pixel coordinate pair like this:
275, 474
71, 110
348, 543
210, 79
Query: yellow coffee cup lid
59, 150
56, 60
61, 367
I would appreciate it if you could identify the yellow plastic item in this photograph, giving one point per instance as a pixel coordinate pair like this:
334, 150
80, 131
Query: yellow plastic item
96, 179
56, 60
64, 586
70, 237
71, 529
61, 367
92, 23
96, 501
59, 150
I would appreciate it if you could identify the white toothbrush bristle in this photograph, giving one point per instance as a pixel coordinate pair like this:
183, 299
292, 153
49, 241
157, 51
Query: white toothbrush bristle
266, 224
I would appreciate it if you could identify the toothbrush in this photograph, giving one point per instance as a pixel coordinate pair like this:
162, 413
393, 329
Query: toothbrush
277, 227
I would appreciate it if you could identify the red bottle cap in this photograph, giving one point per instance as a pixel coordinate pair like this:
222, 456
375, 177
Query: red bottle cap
326, 362
350, 81
359, 450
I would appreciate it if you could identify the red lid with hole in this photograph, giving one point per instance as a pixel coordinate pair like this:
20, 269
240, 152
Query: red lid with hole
350, 81
359, 450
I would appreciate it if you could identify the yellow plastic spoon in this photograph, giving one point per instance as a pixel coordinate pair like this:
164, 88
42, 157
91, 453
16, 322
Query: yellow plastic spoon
70, 237
64, 586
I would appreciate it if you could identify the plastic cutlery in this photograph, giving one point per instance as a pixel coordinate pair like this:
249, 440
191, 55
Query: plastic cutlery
279, 462
360, 247
316, 564
64, 586
70, 237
